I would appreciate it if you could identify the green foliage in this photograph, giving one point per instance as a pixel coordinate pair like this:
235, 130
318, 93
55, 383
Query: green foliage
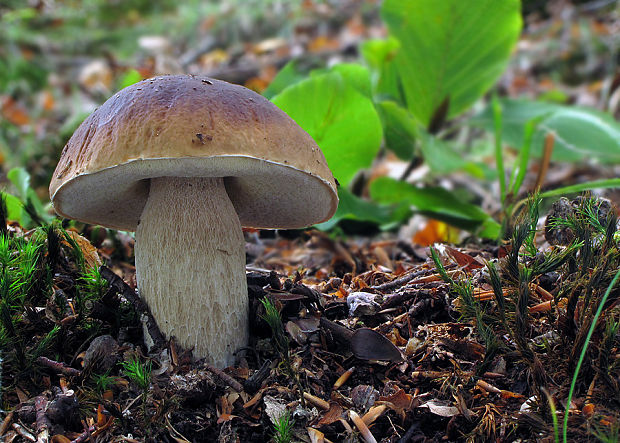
25, 208
451, 50
138, 372
19, 262
582, 355
340, 118
281, 343
579, 132
273, 319
351, 207
436, 62
437, 203
103, 382
131, 76
283, 428
588, 280
400, 129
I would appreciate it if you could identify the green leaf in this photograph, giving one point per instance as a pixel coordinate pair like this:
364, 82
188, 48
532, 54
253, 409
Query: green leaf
356, 75
27, 196
15, 209
580, 187
379, 55
131, 76
399, 127
437, 203
579, 132
342, 121
287, 76
450, 49
351, 207
21, 180
442, 158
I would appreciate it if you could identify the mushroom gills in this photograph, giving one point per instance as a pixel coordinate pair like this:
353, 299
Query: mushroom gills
190, 266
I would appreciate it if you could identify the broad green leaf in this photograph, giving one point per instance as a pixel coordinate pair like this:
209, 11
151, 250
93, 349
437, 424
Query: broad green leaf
437, 203
441, 157
379, 55
352, 207
579, 132
342, 121
21, 180
287, 76
357, 75
14, 208
399, 127
451, 49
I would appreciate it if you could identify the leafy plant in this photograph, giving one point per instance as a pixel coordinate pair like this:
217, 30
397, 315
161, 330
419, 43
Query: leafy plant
505, 322
429, 71
281, 342
26, 207
138, 372
283, 428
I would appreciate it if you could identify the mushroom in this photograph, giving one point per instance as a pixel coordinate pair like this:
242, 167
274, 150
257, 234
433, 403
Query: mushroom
185, 162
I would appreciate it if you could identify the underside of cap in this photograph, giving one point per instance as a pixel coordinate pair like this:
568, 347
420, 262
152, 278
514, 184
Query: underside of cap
265, 195
187, 126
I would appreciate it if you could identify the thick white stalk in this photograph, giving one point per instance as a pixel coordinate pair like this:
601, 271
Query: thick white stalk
190, 266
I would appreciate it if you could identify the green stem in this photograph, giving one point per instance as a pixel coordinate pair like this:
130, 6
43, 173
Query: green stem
583, 354
499, 158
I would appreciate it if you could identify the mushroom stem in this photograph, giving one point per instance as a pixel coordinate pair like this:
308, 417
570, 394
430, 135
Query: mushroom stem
190, 266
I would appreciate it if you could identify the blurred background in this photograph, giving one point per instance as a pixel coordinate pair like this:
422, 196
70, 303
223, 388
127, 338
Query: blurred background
59, 59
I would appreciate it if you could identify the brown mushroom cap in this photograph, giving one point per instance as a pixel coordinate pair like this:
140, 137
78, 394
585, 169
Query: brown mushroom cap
185, 126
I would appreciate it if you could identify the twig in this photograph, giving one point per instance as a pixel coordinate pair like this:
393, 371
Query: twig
6, 423
316, 401
411, 279
544, 161
59, 367
343, 378
373, 414
359, 424
22, 432
225, 378
254, 382
400, 281
42, 421
123, 288
85, 435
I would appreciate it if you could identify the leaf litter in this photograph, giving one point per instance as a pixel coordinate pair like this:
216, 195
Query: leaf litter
452, 347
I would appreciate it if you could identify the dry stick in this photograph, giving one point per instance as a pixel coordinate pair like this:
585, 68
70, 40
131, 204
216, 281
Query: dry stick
343, 378
316, 401
6, 423
85, 435
123, 288
225, 378
359, 424
23, 432
373, 414
255, 381
545, 306
544, 161
412, 279
544, 294
59, 367
42, 422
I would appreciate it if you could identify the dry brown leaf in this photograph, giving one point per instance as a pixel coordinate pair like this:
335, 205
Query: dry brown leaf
91, 255
332, 415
